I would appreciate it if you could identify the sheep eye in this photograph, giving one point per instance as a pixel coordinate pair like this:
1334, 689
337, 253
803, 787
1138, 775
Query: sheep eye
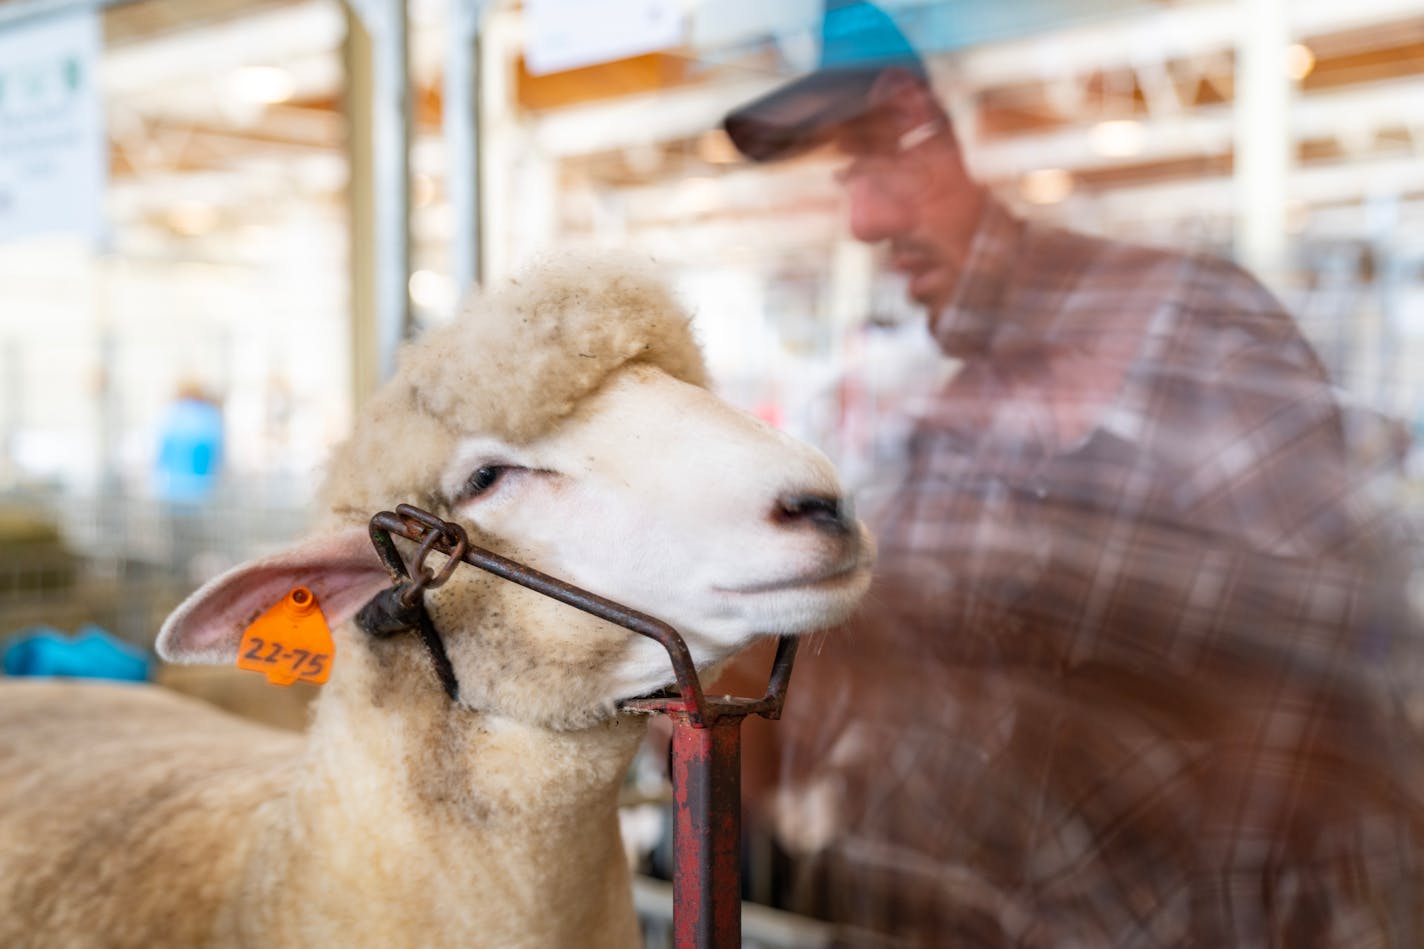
482, 480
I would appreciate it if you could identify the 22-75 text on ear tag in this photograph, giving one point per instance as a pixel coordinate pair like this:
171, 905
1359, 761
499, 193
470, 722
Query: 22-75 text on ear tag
290, 641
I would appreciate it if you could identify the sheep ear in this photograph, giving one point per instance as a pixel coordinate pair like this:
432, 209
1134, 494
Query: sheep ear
342, 569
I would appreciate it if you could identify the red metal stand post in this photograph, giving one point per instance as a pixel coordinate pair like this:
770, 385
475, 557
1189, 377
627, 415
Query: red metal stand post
707, 820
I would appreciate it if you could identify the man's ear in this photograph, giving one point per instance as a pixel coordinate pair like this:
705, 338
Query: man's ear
342, 569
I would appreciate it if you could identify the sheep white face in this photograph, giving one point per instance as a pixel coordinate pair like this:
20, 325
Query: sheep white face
658, 495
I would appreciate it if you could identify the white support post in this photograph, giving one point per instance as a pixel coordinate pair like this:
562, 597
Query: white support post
501, 39
1263, 143
378, 68
461, 119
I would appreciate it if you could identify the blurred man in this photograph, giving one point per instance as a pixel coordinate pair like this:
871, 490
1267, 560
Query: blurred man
1136, 671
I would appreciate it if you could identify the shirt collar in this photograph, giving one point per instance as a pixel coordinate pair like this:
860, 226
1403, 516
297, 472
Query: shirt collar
974, 313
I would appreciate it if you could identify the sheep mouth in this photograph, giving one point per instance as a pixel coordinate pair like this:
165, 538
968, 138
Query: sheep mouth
825, 578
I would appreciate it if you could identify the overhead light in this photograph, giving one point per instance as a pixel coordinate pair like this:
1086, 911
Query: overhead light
697, 195
432, 291
257, 236
1046, 186
423, 190
192, 218
1117, 138
260, 85
1300, 60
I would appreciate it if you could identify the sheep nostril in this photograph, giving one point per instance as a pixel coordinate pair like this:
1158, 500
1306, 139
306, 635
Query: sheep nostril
820, 511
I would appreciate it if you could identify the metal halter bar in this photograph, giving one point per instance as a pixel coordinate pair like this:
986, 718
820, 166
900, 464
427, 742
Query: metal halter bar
401, 608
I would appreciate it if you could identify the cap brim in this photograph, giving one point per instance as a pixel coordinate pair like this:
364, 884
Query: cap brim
801, 114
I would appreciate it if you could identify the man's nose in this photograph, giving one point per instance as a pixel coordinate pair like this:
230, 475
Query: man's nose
875, 215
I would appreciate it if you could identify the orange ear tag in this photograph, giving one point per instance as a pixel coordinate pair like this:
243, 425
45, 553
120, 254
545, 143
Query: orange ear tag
290, 641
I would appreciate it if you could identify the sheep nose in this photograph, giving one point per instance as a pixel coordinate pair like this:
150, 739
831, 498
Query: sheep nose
823, 512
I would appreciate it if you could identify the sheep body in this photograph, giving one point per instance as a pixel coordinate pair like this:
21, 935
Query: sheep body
108, 759
261, 839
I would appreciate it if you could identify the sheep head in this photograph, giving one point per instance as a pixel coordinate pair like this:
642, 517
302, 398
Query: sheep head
564, 422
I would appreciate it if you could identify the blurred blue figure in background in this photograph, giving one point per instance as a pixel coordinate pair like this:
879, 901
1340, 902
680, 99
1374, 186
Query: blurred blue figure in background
190, 447
187, 469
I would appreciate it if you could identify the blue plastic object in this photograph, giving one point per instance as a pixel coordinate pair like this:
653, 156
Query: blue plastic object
90, 654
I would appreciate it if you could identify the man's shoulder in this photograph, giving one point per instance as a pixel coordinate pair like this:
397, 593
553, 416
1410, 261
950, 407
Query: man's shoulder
1091, 266
1095, 270
1044, 243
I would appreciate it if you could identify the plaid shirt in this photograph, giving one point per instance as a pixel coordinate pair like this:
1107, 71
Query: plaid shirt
1130, 674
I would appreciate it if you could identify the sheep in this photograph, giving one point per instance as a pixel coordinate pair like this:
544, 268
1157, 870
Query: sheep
563, 420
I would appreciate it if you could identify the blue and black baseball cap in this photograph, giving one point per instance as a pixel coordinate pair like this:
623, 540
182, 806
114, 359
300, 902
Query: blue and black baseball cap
859, 41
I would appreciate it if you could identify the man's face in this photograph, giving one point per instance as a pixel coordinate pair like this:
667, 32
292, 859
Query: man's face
907, 188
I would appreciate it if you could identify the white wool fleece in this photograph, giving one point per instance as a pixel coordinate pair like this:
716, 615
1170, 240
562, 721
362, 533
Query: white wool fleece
518, 359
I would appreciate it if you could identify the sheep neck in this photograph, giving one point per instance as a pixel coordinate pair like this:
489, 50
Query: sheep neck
439, 812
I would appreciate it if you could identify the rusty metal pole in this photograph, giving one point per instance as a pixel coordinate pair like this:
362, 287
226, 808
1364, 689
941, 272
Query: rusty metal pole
707, 822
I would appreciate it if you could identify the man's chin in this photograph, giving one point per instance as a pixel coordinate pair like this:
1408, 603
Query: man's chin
930, 289
960, 334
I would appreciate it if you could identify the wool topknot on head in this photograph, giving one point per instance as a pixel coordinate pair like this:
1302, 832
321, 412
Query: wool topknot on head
517, 359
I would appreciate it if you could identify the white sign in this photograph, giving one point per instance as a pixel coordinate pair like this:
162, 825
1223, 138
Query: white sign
724, 23
567, 34
53, 156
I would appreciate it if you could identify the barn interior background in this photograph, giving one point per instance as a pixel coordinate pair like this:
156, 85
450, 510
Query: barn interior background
218, 218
